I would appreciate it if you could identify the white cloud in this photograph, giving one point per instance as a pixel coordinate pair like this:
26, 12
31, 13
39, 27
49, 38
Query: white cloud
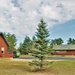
21, 17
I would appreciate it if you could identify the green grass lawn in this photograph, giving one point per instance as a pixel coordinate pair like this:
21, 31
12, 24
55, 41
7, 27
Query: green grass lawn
10, 67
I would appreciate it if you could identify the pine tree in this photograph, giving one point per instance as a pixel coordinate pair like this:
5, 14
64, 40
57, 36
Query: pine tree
70, 41
24, 47
41, 45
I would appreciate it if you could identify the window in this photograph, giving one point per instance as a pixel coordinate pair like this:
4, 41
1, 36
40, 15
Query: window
2, 50
57, 51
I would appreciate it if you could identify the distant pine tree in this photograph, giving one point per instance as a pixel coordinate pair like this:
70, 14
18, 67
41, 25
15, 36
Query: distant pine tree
24, 47
70, 41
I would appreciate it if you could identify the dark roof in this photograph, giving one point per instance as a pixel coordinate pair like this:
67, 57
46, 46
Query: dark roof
1, 34
64, 47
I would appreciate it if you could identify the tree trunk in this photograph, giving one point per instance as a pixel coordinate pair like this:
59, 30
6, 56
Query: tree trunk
41, 63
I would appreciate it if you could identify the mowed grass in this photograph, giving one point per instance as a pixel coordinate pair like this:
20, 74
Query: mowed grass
10, 67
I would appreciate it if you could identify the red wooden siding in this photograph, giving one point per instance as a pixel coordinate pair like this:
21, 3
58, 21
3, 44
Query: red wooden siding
4, 48
64, 52
3, 45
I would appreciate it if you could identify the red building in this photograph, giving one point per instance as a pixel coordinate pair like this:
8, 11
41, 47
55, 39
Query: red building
64, 50
4, 47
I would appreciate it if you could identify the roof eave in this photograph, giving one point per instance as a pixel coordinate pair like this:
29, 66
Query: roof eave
4, 38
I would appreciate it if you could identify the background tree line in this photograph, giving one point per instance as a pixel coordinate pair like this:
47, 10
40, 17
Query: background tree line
27, 45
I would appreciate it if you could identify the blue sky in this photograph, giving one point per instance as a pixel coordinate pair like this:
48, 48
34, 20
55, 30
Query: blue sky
21, 17
64, 31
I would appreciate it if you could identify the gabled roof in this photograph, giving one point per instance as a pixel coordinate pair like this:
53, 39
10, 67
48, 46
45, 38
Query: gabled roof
64, 47
1, 34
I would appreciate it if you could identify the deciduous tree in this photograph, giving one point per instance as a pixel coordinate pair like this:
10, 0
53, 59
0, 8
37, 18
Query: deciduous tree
11, 39
57, 41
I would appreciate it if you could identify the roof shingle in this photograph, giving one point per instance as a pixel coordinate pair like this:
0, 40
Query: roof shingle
64, 47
